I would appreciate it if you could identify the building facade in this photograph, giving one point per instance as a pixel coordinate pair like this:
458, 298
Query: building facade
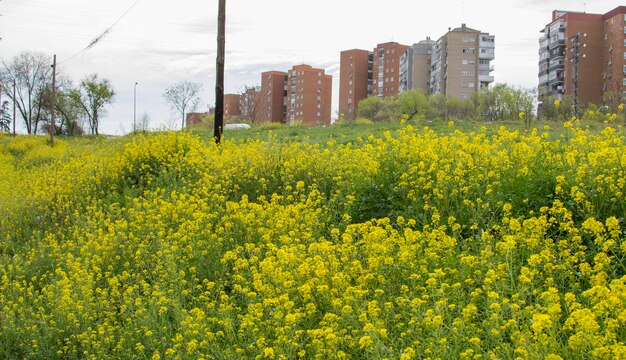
415, 67
231, 105
461, 62
355, 80
248, 104
386, 69
583, 56
309, 96
614, 77
273, 100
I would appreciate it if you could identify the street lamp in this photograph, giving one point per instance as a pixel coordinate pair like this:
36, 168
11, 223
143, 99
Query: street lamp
135, 108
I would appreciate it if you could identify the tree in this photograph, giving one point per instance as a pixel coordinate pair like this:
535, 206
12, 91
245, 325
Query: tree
144, 122
5, 117
70, 112
31, 72
92, 95
183, 97
250, 99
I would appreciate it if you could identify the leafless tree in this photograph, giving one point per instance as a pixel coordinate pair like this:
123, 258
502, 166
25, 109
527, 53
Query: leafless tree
31, 72
249, 103
183, 97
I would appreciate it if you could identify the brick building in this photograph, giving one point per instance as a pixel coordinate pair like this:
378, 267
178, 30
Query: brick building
601, 60
386, 69
303, 94
309, 96
272, 102
231, 105
355, 80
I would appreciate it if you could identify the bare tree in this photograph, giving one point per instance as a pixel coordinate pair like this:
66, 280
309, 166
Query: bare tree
5, 117
93, 94
144, 122
31, 72
183, 97
249, 103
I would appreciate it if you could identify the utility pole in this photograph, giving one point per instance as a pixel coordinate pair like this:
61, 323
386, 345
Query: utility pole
219, 79
575, 59
54, 95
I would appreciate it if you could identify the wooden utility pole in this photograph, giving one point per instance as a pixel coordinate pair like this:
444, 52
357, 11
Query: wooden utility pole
219, 79
54, 95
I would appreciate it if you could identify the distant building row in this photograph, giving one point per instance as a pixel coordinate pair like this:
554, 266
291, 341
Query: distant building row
584, 56
456, 65
302, 94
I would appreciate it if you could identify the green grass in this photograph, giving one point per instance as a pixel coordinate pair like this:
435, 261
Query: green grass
346, 133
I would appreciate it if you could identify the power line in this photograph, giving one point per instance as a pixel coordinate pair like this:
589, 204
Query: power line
103, 34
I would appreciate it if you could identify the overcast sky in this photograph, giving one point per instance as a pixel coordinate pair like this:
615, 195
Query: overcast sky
159, 43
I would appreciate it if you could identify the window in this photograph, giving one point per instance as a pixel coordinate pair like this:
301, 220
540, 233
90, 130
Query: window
463, 96
624, 82
471, 85
624, 69
463, 73
464, 84
464, 61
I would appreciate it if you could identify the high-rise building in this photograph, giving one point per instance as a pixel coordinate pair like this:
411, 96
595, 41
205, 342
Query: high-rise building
461, 62
248, 101
583, 56
309, 95
273, 100
355, 80
231, 105
386, 69
415, 66
614, 86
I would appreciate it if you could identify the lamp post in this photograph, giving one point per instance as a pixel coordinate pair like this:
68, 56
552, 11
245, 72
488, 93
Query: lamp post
135, 108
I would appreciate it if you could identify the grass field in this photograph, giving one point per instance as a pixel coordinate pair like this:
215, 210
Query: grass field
436, 240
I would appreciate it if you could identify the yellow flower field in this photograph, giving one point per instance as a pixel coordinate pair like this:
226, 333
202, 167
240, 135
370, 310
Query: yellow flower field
408, 245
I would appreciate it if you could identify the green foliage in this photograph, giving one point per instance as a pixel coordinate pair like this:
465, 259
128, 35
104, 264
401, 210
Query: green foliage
500, 103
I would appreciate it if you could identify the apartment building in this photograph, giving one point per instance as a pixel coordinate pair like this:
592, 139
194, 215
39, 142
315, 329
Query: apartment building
355, 80
386, 69
415, 67
584, 55
231, 105
248, 101
303, 94
614, 77
461, 62
273, 100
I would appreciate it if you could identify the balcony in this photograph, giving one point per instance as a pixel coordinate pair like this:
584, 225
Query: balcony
555, 44
556, 80
486, 54
556, 66
485, 78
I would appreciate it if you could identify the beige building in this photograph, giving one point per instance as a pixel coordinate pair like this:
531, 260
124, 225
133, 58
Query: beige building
415, 67
461, 62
